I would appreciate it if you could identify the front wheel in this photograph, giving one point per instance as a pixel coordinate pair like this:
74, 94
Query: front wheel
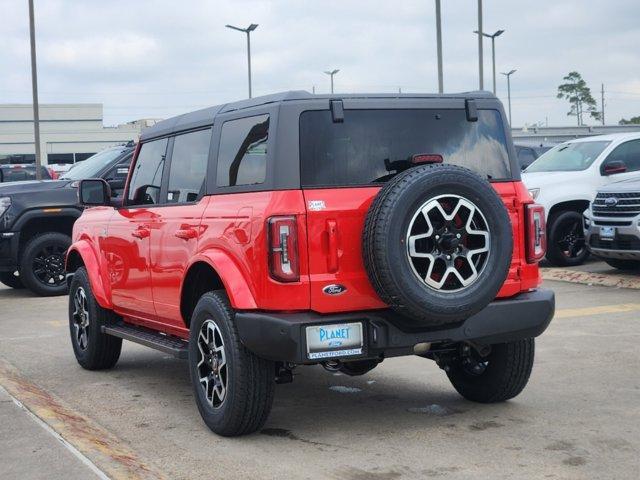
496, 377
10, 279
93, 349
42, 264
566, 247
627, 265
233, 387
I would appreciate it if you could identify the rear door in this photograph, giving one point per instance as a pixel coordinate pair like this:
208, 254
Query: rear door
176, 229
343, 165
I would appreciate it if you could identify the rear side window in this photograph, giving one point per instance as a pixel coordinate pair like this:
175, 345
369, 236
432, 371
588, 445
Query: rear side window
146, 179
242, 157
371, 146
629, 153
188, 166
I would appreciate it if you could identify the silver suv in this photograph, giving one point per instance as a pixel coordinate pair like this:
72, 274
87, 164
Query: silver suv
612, 225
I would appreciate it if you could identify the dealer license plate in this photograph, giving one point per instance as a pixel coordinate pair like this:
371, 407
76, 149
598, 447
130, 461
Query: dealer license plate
607, 233
338, 340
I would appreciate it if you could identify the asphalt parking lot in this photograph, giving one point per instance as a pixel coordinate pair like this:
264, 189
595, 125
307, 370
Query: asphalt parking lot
578, 417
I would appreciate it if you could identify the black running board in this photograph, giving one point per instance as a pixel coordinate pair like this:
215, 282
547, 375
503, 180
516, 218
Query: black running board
149, 338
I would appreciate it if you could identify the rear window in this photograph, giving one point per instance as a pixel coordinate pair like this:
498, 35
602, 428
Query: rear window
371, 146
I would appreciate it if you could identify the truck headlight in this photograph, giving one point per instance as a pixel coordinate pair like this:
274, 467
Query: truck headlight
5, 203
534, 192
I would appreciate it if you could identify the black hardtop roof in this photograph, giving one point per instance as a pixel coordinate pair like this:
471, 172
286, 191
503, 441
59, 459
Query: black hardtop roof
205, 116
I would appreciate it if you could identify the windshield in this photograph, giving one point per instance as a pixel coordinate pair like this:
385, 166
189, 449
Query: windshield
569, 157
92, 166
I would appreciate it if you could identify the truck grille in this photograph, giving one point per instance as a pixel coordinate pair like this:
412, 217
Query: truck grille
627, 205
621, 242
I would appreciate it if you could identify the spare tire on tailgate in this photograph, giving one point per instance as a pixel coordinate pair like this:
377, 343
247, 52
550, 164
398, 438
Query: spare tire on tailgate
437, 244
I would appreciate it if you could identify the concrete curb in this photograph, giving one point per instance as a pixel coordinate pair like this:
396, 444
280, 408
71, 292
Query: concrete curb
588, 278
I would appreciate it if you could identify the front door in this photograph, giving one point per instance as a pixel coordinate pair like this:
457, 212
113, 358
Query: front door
174, 239
126, 244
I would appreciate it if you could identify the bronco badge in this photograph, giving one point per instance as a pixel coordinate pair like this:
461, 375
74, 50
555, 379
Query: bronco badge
334, 289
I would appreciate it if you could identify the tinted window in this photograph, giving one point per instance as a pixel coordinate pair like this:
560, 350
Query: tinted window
18, 158
144, 188
188, 166
20, 173
242, 157
629, 153
83, 156
60, 158
525, 156
569, 157
373, 145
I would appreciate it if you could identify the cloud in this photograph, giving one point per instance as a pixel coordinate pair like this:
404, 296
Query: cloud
159, 57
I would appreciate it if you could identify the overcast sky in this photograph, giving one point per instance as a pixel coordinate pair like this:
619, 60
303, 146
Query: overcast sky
159, 58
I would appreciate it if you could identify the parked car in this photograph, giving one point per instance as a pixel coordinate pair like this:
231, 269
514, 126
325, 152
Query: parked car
528, 152
611, 225
21, 172
297, 229
36, 218
565, 179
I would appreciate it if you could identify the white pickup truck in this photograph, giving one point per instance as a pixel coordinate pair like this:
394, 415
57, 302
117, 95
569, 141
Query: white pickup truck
565, 180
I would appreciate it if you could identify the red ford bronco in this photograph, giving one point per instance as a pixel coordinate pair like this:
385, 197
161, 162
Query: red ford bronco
298, 229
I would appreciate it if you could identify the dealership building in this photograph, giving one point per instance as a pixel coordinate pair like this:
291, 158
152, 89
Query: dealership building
68, 132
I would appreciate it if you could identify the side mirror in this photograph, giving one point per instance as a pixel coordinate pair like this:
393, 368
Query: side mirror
94, 192
613, 166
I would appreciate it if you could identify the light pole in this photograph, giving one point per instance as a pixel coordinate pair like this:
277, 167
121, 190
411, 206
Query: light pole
439, 46
493, 52
508, 75
480, 54
248, 31
34, 89
331, 74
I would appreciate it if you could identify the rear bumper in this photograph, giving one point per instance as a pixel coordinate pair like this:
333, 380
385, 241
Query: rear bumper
282, 336
9, 243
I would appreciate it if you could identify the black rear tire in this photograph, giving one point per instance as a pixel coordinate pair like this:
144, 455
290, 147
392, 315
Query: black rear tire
10, 279
249, 380
94, 350
566, 246
626, 265
504, 376
388, 232
42, 264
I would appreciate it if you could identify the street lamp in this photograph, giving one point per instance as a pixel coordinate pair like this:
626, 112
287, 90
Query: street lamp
331, 74
439, 46
493, 52
480, 54
34, 91
508, 75
248, 31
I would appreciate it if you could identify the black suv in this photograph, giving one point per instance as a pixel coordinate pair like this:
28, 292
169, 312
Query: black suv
36, 218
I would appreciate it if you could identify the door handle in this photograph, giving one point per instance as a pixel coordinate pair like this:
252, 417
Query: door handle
141, 232
186, 233
332, 260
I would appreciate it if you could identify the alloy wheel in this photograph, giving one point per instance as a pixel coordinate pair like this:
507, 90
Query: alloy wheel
48, 265
212, 364
448, 243
571, 240
81, 318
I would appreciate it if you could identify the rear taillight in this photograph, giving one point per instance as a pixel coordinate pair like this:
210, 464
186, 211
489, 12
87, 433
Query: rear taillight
284, 265
536, 232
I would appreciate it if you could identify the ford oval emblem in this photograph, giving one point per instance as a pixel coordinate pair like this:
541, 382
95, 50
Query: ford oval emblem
334, 289
611, 202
